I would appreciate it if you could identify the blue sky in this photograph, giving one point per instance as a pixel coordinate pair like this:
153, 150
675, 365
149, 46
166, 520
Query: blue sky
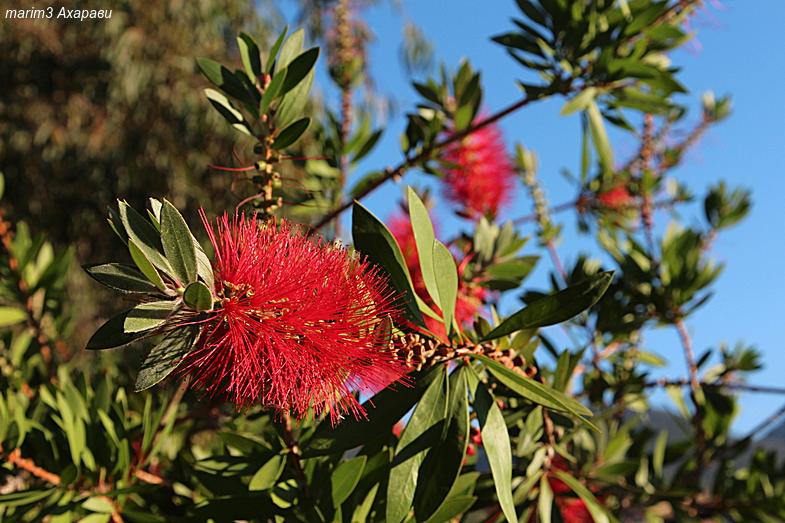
738, 54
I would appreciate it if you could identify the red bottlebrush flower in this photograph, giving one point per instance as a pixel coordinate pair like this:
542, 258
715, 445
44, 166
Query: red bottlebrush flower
470, 297
574, 510
483, 177
293, 328
615, 199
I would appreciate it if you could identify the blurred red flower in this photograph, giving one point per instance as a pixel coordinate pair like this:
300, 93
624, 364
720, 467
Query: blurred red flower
615, 199
482, 176
293, 326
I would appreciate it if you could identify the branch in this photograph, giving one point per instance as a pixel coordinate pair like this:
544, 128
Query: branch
745, 387
424, 155
15, 458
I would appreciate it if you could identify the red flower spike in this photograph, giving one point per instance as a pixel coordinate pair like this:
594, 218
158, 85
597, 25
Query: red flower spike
483, 177
470, 297
293, 328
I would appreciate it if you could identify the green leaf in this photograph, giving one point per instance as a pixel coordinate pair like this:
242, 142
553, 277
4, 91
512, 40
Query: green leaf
145, 265
225, 80
203, 266
111, 334
446, 274
98, 504
290, 49
121, 277
291, 133
274, 50
228, 111
600, 137
555, 308
24, 497
580, 101
293, 103
598, 513
383, 410
442, 465
178, 244
452, 508
533, 390
299, 68
166, 356
423, 430
149, 315
658, 454
374, 239
249, 53
198, 297
496, 442
11, 316
424, 238
145, 236
545, 500
267, 476
345, 478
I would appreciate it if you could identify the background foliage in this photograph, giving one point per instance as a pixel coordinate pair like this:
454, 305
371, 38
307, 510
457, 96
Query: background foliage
504, 420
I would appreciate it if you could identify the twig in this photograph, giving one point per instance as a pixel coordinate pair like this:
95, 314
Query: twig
745, 387
763, 425
425, 154
294, 453
15, 458
689, 355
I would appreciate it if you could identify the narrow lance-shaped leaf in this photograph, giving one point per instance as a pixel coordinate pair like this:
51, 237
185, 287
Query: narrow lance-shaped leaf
442, 465
447, 281
249, 53
345, 478
166, 356
496, 442
424, 237
121, 278
374, 239
145, 265
600, 137
149, 315
145, 236
535, 391
178, 244
112, 334
555, 308
423, 430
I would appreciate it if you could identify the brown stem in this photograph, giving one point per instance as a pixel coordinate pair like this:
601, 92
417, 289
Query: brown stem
689, 355
744, 387
287, 432
15, 458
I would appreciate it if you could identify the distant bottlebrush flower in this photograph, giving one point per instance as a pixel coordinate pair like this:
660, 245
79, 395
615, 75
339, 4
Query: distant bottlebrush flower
481, 177
294, 326
470, 296
615, 199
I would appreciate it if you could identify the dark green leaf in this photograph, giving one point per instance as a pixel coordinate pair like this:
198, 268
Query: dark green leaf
374, 239
441, 467
249, 53
597, 511
496, 442
299, 68
555, 308
452, 508
166, 356
198, 297
291, 134
145, 236
383, 411
421, 433
112, 334
535, 391
178, 244
228, 111
121, 277
271, 91
274, 50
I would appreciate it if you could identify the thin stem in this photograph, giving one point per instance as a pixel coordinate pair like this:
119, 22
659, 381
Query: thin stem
744, 387
287, 432
689, 355
763, 425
